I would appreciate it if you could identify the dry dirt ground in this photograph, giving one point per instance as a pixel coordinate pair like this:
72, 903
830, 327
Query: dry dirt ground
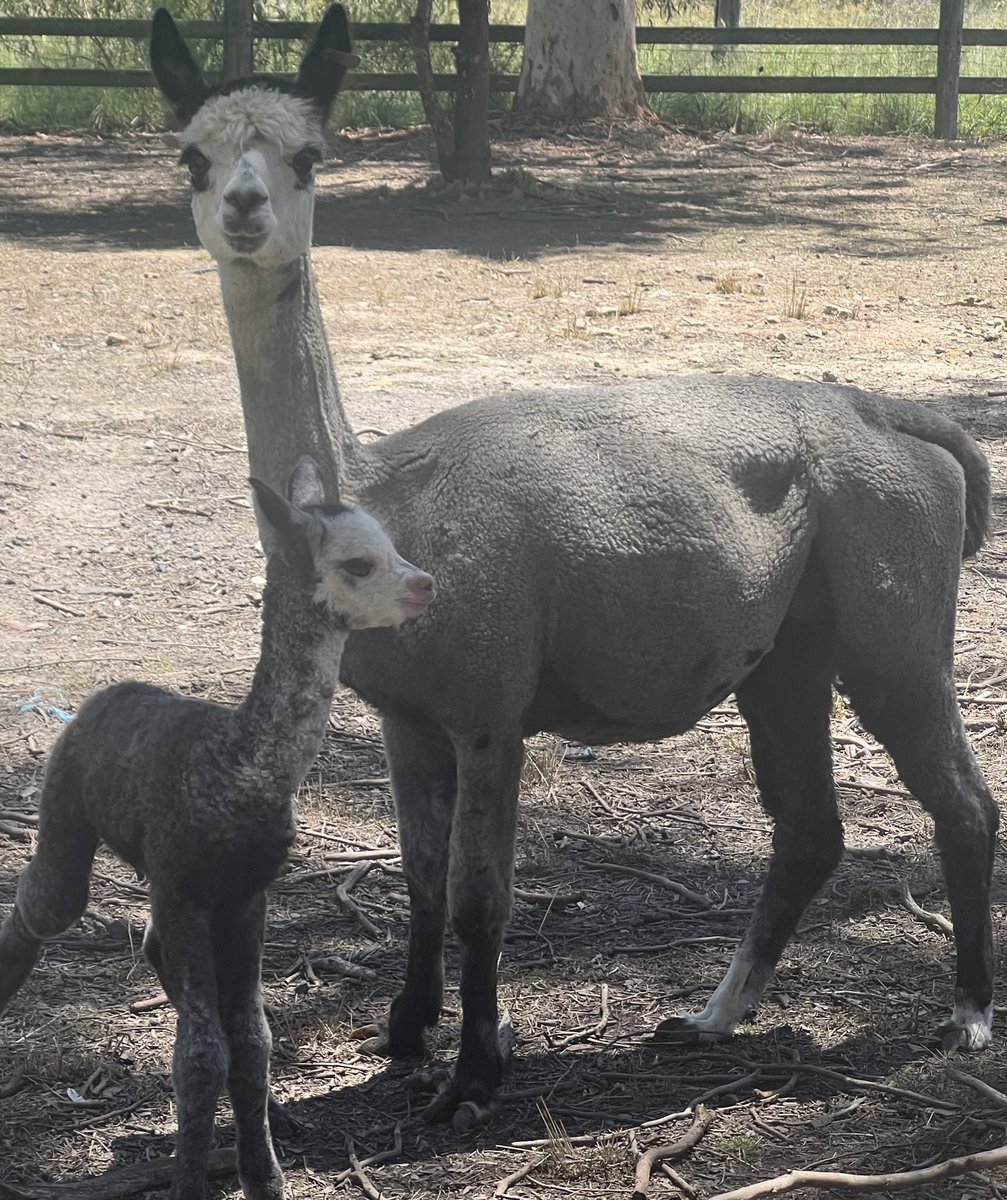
127, 549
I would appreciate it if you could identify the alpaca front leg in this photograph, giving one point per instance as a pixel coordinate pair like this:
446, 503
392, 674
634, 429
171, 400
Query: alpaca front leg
424, 784
480, 884
238, 938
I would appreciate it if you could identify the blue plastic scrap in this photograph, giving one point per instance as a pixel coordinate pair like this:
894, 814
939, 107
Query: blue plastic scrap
44, 706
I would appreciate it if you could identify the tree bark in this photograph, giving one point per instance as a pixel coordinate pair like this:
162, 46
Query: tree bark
580, 60
438, 119
727, 13
471, 160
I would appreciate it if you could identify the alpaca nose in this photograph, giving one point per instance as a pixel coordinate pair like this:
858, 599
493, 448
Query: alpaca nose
241, 202
422, 585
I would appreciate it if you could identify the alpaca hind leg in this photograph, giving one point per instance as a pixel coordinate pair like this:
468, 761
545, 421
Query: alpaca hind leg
238, 937
424, 783
479, 889
53, 889
200, 1061
786, 703
918, 722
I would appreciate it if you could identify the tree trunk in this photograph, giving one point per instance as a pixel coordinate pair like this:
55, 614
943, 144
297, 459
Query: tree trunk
463, 144
727, 13
580, 60
949, 59
471, 161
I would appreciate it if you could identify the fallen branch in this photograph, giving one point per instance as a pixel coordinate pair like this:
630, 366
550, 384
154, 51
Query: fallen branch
983, 1088
672, 885
508, 1181
896, 1181
674, 1150
547, 899
343, 966
114, 1185
933, 921
63, 608
357, 1166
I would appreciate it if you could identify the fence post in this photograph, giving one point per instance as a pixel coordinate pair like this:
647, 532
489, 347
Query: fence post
237, 38
949, 59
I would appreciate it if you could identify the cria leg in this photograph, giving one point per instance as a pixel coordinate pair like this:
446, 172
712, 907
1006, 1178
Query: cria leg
53, 889
238, 938
786, 703
200, 1064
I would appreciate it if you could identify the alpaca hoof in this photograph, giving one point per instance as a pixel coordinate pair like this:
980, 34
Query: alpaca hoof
968, 1028
464, 1115
373, 1039
685, 1031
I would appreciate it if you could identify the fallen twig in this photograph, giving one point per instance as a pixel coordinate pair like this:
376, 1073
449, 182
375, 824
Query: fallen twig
584, 1035
357, 1166
673, 885
548, 899
63, 608
149, 1003
674, 1150
896, 1181
516, 1176
933, 921
350, 905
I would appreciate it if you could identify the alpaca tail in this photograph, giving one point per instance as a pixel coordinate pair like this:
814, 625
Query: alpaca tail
929, 426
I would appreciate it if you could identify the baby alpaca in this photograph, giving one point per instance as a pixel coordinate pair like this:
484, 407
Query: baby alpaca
198, 797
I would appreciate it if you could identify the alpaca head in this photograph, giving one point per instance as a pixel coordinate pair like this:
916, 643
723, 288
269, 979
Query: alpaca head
339, 554
251, 145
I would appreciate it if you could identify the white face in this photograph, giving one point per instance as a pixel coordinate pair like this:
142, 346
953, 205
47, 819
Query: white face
250, 156
363, 578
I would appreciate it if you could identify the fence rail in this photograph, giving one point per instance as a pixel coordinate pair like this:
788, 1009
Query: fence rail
365, 32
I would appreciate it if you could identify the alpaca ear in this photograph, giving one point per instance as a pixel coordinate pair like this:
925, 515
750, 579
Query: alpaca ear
175, 70
329, 57
306, 485
284, 528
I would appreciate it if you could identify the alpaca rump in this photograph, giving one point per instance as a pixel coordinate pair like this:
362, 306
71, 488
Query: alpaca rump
198, 798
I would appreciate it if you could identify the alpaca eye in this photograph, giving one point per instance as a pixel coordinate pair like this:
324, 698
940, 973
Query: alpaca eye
199, 168
360, 568
304, 163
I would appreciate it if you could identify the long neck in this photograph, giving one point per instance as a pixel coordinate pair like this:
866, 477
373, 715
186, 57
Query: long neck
289, 394
281, 722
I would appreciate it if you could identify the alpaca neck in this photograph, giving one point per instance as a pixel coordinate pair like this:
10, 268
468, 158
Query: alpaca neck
282, 720
289, 394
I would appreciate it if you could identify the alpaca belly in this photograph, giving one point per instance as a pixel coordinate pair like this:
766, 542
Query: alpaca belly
606, 704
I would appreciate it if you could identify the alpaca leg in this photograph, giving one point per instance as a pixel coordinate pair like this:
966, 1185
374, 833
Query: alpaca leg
424, 782
918, 722
479, 893
238, 938
199, 1066
53, 889
786, 704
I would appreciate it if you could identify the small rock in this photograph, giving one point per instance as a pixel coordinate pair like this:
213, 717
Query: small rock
830, 377
115, 339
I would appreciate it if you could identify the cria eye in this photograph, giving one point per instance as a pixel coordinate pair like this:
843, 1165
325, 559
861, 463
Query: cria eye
304, 162
359, 567
199, 167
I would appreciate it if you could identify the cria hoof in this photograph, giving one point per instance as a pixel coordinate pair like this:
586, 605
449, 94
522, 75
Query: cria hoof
683, 1031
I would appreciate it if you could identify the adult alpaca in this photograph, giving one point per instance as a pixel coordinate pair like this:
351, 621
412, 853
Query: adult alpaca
199, 798
614, 562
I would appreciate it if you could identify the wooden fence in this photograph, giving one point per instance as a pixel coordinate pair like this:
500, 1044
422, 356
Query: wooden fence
365, 33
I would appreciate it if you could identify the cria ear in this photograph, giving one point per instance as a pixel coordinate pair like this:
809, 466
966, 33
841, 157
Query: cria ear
306, 485
283, 527
329, 57
175, 70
